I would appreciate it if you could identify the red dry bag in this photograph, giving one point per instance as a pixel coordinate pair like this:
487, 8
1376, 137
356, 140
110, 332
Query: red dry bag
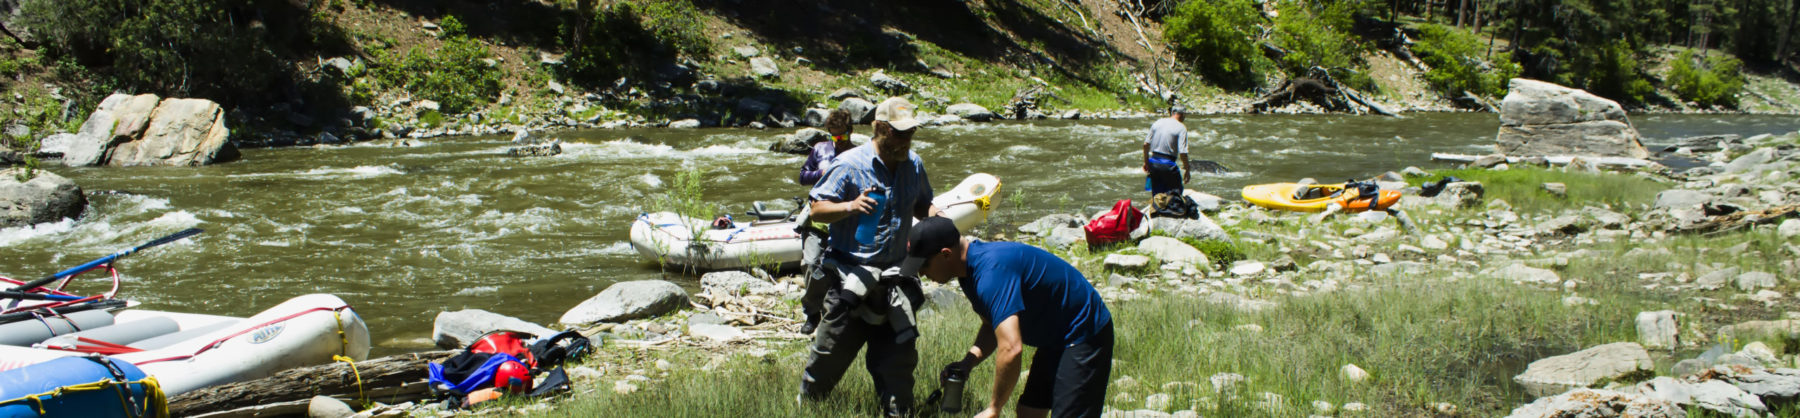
1114, 226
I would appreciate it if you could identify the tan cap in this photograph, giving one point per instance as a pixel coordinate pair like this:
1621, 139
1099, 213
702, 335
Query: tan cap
898, 113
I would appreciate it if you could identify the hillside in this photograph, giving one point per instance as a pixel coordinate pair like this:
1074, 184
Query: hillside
364, 69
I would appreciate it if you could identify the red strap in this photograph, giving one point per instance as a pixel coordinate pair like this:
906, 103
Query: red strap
97, 347
215, 343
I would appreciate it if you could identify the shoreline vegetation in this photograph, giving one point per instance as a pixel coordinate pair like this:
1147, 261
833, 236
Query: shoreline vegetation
1287, 315
353, 70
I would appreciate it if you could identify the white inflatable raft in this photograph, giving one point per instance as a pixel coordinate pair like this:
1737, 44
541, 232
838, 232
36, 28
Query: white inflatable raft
190, 351
668, 238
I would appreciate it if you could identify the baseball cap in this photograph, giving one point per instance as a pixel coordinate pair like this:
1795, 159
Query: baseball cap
929, 237
897, 112
1178, 109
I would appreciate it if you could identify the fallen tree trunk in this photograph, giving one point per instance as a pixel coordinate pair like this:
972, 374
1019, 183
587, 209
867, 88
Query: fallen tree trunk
1741, 219
391, 379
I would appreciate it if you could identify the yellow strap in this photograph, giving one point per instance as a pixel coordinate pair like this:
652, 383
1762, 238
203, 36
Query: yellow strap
983, 201
357, 374
338, 320
156, 403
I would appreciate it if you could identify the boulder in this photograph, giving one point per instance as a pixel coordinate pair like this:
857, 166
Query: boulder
1353, 373
625, 301
1756, 280
1556, 189
455, 330
801, 142
1789, 228
1060, 238
544, 149
861, 111
1584, 368
327, 407
1714, 395
1681, 199
1207, 203
1202, 229
1172, 250
736, 282
1544, 119
1519, 272
1598, 403
815, 117
763, 67
1750, 161
888, 83
1126, 262
844, 93
1564, 225
685, 124
971, 111
1705, 143
1658, 329
1050, 222
1462, 194
47, 197
179, 132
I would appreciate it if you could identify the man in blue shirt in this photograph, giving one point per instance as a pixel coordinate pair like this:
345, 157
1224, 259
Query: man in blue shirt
869, 196
1025, 296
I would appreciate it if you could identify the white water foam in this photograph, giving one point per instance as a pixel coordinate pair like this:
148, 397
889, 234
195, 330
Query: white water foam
19, 234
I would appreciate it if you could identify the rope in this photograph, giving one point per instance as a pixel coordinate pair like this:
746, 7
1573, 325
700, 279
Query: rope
353, 372
156, 403
215, 343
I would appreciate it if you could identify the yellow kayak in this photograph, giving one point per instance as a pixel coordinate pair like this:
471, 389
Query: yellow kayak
1314, 197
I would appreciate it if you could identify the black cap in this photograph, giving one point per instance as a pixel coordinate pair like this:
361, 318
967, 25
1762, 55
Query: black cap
929, 237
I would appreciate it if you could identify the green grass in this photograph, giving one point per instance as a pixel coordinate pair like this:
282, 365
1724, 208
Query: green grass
1422, 340
1522, 187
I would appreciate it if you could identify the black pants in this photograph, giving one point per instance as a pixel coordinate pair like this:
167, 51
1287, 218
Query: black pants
1164, 179
1071, 381
841, 334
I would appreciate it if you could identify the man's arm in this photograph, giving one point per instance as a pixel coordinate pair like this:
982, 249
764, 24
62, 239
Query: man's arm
1007, 363
831, 212
1146, 157
1187, 170
984, 345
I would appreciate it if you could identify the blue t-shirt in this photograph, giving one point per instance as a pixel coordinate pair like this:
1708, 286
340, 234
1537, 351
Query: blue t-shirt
1055, 303
906, 187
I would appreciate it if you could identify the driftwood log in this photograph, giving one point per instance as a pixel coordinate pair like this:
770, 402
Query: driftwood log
392, 379
1323, 92
1737, 220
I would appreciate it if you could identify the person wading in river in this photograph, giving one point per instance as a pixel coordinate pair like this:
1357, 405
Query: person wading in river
1168, 138
1025, 296
870, 195
812, 248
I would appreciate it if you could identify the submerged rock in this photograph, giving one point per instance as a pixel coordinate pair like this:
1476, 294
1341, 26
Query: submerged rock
47, 197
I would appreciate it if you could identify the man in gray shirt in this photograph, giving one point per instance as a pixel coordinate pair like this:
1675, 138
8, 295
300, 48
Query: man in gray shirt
1167, 139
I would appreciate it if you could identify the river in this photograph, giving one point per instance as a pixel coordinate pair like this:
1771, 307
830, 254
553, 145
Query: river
403, 233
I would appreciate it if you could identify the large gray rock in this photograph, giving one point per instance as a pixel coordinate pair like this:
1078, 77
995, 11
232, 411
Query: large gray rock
1462, 194
1751, 161
626, 301
800, 143
1712, 395
1172, 250
737, 282
1519, 272
1658, 329
815, 117
47, 197
1681, 198
763, 67
1202, 228
861, 111
1051, 222
971, 111
888, 83
180, 132
1543, 119
454, 330
1756, 280
1584, 368
1598, 403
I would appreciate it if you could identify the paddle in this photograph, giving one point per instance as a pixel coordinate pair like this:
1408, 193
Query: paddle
98, 304
107, 259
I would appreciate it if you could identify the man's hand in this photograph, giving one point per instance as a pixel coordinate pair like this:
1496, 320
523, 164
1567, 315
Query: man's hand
863, 204
955, 368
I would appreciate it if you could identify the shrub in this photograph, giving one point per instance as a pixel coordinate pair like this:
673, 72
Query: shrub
1714, 82
457, 75
1316, 34
623, 39
1218, 37
1454, 56
1611, 70
202, 48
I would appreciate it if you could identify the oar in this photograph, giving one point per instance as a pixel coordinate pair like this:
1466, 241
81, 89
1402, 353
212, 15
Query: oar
107, 259
98, 304
36, 296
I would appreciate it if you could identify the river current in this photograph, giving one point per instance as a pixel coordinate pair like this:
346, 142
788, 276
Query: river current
403, 233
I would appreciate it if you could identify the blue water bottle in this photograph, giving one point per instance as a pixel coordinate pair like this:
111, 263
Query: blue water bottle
870, 223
